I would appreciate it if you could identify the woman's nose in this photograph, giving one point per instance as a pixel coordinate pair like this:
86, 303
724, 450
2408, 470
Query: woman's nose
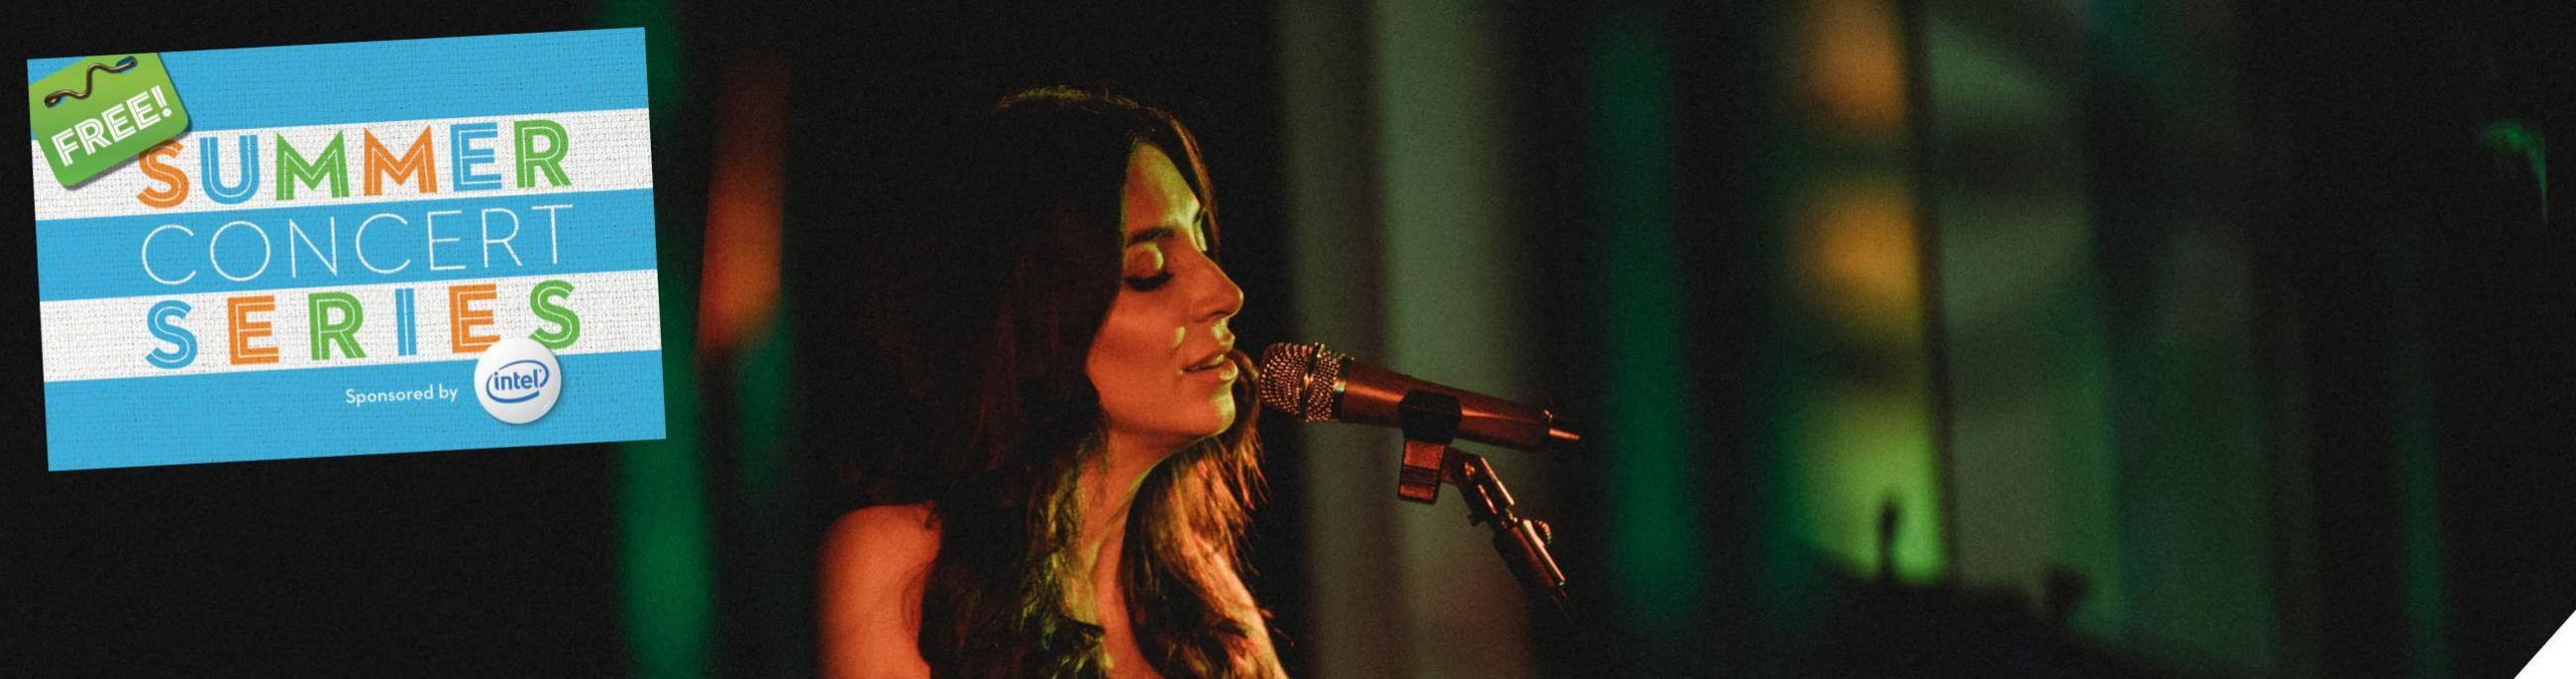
1220, 298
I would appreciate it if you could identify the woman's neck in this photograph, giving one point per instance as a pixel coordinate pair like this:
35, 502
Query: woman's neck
1108, 488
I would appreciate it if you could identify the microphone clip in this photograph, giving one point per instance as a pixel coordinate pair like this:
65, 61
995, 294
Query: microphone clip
1430, 422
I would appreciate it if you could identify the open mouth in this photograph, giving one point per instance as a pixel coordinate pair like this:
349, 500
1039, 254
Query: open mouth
1213, 361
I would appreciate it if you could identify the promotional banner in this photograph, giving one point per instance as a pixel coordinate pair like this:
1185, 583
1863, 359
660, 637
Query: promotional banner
345, 249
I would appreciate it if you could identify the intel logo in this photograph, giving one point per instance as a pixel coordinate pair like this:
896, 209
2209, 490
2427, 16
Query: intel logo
517, 380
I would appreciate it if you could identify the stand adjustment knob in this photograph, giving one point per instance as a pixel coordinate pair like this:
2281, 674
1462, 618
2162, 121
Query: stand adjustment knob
1546, 536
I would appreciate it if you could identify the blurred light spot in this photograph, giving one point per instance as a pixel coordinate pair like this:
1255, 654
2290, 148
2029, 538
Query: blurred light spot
1859, 257
1855, 65
744, 201
1873, 447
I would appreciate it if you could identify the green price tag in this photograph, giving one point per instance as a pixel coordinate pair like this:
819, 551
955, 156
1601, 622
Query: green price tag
103, 111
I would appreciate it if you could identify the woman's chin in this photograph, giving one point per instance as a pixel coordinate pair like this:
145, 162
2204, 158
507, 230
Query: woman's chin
1202, 434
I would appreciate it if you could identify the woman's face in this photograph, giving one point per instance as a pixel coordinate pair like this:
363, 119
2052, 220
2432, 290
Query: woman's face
1160, 360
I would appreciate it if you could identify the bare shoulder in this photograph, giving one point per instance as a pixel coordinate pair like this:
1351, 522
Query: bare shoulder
882, 533
874, 563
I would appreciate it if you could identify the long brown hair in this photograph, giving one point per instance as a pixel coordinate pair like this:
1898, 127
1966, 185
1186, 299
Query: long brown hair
994, 366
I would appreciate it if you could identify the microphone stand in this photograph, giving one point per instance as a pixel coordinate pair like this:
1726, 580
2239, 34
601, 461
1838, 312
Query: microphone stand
1430, 421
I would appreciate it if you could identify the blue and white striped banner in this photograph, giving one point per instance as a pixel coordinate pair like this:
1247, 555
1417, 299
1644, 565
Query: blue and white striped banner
314, 268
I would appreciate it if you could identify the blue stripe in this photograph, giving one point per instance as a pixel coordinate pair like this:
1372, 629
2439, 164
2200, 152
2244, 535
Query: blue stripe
284, 414
481, 76
103, 257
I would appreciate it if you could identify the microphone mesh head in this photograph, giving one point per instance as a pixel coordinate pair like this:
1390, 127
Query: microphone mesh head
1299, 380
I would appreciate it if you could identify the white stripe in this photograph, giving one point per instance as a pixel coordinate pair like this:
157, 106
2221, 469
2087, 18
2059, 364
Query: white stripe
92, 339
608, 150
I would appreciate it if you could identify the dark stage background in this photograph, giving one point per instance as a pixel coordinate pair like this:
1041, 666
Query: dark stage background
1917, 337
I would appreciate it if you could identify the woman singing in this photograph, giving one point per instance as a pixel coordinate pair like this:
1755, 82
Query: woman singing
1073, 504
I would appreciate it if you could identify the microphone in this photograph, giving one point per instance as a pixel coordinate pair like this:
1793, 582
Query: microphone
1310, 382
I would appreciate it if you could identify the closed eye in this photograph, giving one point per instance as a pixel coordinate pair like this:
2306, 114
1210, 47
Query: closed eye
1149, 283
1145, 255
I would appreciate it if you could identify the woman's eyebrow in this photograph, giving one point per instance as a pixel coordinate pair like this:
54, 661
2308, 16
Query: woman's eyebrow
1152, 234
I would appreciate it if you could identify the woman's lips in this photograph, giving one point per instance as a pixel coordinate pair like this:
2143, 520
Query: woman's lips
1223, 371
1218, 365
1213, 360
